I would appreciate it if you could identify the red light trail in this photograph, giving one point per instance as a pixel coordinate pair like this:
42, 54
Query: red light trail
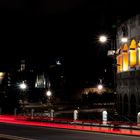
23, 121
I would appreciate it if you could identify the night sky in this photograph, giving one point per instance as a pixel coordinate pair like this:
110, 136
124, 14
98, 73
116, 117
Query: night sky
42, 31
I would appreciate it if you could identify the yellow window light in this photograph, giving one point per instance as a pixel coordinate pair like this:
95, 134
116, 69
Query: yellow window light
133, 54
138, 53
125, 57
125, 61
139, 44
118, 62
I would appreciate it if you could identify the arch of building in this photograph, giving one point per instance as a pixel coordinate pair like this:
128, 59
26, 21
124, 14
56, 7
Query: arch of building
133, 106
139, 104
128, 68
125, 57
129, 56
125, 104
128, 74
120, 105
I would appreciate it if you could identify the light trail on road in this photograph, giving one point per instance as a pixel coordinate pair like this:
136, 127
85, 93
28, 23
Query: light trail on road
14, 120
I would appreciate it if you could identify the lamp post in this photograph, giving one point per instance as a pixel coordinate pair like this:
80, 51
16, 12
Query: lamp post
2, 74
100, 85
113, 52
48, 94
23, 88
103, 39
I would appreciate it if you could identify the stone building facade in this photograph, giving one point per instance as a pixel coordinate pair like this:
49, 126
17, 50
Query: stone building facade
128, 67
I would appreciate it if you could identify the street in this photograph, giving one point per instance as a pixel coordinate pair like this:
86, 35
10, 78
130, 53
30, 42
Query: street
44, 133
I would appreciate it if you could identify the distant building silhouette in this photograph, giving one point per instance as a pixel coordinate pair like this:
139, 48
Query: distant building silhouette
14, 95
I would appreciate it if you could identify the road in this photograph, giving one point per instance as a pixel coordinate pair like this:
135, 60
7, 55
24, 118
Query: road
44, 133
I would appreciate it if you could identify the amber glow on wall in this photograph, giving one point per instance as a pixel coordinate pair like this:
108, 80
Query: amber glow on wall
125, 57
118, 62
139, 44
138, 53
132, 54
138, 56
128, 56
125, 61
121, 63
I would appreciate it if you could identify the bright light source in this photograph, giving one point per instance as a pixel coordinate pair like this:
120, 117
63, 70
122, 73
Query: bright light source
103, 39
48, 93
23, 86
58, 63
1, 74
100, 87
124, 39
111, 52
139, 44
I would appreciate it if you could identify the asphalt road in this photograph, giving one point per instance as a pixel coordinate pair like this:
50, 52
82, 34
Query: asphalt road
44, 133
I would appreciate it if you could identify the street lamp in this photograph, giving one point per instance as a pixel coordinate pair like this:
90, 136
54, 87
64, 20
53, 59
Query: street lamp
2, 74
23, 88
58, 62
49, 94
100, 87
113, 53
102, 38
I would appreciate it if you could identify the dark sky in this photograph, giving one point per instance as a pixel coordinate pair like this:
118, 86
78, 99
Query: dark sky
43, 30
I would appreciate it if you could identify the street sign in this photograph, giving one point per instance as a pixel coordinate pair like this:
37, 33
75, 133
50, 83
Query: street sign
111, 52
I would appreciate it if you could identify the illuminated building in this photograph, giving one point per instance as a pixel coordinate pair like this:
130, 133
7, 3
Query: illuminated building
128, 67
